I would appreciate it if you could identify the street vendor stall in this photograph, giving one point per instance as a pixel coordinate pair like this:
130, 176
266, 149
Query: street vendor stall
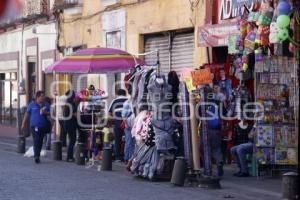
92, 61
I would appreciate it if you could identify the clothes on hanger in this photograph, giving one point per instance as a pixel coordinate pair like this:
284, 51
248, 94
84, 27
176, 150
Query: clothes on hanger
160, 96
153, 126
241, 96
173, 80
164, 130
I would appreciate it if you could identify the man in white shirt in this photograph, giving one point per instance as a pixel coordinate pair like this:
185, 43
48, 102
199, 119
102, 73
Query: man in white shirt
61, 102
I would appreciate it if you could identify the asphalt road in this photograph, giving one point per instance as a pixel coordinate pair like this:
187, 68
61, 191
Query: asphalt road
22, 179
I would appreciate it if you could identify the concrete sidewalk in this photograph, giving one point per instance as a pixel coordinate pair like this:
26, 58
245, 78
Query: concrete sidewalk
232, 187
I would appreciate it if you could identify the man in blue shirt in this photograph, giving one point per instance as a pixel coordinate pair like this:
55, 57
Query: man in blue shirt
37, 112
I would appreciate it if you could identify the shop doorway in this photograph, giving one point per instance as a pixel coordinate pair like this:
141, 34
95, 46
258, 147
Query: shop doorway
219, 54
31, 77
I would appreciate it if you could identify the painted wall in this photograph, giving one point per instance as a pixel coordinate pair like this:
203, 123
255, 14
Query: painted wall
12, 42
85, 25
82, 25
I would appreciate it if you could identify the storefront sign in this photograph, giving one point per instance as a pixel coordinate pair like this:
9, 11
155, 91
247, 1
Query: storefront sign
233, 8
216, 35
201, 77
8, 65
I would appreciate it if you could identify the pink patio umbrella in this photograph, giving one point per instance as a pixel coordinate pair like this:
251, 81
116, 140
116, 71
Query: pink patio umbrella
95, 61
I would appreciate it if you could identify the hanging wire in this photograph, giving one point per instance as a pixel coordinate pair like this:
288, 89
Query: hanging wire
143, 54
146, 53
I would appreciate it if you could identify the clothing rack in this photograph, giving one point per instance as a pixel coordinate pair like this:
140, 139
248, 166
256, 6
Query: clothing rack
93, 135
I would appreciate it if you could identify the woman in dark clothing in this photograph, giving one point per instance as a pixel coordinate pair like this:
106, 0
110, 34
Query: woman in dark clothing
47, 139
70, 112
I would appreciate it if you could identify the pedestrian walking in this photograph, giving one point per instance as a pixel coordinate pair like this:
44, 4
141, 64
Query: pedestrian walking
128, 118
37, 112
47, 139
70, 123
115, 110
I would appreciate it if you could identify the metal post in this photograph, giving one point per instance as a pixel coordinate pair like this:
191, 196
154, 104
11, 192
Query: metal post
79, 154
21, 144
194, 133
186, 125
106, 164
57, 150
158, 63
179, 172
290, 186
57, 144
204, 133
21, 148
21, 88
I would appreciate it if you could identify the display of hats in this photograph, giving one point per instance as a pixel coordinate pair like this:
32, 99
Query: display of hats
86, 95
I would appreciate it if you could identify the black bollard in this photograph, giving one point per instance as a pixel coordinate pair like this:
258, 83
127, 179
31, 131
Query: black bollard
179, 172
57, 150
79, 154
106, 164
290, 186
21, 144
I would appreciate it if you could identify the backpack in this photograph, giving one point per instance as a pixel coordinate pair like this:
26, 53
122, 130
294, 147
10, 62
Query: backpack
215, 121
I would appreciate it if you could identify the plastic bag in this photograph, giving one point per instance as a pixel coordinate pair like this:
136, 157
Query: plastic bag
29, 153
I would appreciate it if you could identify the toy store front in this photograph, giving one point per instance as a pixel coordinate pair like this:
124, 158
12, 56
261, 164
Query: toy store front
255, 57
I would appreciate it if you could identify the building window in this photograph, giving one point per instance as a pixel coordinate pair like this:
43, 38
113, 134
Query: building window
113, 39
9, 98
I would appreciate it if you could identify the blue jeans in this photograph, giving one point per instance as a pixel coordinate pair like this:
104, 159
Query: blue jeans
38, 136
215, 143
47, 140
129, 144
241, 151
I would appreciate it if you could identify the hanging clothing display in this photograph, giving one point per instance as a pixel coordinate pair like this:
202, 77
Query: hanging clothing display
186, 123
160, 96
153, 127
241, 96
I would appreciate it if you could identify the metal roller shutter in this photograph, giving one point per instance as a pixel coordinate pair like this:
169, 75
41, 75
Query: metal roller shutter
179, 56
162, 44
182, 51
